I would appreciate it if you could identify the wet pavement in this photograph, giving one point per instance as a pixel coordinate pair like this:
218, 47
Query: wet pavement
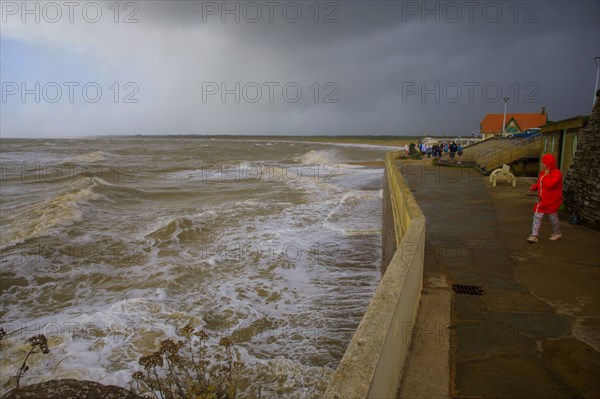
535, 331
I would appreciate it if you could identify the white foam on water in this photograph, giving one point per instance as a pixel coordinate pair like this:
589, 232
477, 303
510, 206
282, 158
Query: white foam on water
204, 174
291, 275
94, 156
375, 147
100, 181
323, 156
47, 216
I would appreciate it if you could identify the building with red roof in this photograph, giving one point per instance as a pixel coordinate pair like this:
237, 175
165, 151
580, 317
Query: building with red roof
491, 125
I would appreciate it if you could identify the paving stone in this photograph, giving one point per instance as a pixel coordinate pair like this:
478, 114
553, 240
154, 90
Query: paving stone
535, 333
509, 377
577, 363
480, 340
538, 325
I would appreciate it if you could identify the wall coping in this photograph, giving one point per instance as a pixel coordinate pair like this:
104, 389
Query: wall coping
373, 362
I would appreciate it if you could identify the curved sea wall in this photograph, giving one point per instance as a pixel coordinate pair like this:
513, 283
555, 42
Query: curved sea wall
374, 360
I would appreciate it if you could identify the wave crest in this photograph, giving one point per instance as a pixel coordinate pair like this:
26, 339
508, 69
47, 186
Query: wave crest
59, 211
320, 156
177, 231
94, 156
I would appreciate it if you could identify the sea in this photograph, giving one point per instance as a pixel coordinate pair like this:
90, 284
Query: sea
111, 244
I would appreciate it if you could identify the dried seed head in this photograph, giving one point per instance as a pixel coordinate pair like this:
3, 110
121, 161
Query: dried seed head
202, 335
150, 361
138, 375
41, 341
187, 330
226, 342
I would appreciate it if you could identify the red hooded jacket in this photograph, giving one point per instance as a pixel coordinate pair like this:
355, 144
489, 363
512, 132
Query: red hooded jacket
549, 187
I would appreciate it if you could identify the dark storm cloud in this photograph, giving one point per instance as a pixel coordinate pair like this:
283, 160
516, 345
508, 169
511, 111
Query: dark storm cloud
538, 53
488, 23
391, 66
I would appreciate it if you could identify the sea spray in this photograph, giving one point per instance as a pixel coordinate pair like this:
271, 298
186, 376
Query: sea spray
285, 260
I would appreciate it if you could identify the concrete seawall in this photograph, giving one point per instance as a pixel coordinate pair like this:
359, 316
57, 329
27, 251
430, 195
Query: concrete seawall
374, 360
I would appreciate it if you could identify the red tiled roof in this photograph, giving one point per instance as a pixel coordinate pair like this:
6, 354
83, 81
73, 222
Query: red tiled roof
493, 122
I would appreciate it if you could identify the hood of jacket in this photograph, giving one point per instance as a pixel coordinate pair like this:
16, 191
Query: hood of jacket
549, 161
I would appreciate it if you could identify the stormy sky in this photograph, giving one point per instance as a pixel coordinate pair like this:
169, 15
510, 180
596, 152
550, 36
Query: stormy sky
303, 68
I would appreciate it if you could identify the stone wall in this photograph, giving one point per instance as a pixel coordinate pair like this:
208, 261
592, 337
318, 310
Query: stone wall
374, 360
388, 233
582, 184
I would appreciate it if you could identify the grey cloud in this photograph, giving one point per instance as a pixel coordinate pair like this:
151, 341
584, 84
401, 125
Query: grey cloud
373, 53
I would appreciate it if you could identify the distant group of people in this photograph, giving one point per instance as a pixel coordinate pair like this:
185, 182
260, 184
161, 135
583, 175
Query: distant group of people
436, 150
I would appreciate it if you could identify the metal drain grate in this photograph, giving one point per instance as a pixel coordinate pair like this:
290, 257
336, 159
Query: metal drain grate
467, 289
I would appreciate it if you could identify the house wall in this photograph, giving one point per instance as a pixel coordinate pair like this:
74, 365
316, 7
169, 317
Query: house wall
567, 154
512, 127
581, 190
562, 149
551, 144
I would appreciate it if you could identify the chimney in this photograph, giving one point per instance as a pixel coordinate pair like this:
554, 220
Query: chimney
543, 110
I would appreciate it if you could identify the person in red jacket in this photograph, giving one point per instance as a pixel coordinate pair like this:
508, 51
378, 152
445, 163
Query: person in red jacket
549, 188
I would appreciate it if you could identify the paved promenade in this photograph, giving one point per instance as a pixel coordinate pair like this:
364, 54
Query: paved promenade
535, 331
